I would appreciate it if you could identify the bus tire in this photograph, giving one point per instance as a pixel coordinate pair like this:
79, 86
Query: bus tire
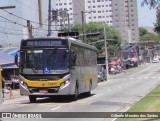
75, 96
32, 98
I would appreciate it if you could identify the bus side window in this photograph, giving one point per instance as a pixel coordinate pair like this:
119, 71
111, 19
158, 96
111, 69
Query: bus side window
73, 58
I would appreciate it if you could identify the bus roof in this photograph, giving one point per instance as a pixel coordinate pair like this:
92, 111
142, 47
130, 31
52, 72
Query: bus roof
70, 40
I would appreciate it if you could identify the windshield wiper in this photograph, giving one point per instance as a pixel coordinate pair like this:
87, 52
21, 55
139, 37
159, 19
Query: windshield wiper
34, 68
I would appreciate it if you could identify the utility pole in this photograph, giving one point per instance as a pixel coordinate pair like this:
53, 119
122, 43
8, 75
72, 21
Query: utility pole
83, 29
40, 12
68, 22
29, 26
106, 55
49, 18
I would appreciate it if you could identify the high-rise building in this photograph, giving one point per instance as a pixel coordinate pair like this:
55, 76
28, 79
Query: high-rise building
13, 22
122, 14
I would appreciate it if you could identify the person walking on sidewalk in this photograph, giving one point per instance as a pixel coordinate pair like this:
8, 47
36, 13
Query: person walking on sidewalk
11, 92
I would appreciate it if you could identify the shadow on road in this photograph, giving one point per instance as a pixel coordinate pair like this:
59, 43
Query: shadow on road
58, 99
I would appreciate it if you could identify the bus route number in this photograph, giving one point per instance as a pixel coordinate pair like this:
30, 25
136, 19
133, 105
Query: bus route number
52, 84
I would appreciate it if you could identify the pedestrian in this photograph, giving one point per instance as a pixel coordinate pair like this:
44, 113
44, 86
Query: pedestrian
11, 92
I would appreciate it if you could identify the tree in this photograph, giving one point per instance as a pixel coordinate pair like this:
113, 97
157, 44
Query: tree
157, 24
151, 3
155, 4
93, 27
142, 31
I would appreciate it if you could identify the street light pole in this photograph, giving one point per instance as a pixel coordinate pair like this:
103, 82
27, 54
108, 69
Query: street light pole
49, 18
106, 58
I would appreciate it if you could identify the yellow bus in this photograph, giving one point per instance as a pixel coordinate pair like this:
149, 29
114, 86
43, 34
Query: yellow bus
56, 66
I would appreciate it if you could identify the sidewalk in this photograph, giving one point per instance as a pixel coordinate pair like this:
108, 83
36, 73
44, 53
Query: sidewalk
16, 94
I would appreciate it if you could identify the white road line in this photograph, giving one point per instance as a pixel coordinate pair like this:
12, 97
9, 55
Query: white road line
109, 90
131, 78
138, 78
56, 108
153, 77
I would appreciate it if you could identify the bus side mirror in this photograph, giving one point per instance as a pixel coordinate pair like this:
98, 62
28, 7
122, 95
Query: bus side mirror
16, 59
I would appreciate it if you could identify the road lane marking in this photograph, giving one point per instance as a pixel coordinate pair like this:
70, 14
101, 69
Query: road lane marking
153, 77
109, 90
131, 78
56, 108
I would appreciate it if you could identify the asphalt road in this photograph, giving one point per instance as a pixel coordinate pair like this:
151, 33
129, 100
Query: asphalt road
117, 94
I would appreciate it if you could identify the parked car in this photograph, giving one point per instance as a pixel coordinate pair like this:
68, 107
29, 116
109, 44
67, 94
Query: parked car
155, 61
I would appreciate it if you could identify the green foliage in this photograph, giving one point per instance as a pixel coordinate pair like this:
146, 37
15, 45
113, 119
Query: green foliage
142, 31
149, 36
93, 27
157, 24
155, 4
151, 3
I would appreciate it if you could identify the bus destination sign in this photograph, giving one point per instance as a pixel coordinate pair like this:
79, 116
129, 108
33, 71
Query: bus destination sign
43, 43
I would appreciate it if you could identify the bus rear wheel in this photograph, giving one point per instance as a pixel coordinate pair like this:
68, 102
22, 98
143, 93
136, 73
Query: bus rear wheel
32, 98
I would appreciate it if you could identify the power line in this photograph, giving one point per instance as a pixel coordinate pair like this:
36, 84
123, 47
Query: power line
11, 33
12, 21
22, 24
11, 29
24, 18
28, 6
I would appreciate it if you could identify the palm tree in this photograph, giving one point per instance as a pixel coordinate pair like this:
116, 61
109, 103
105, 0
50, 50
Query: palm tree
151, 3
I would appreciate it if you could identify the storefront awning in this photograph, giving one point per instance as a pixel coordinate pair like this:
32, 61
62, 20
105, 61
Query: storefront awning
6, 60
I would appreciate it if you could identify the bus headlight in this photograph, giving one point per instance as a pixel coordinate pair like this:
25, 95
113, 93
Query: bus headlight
66, 82
24, 84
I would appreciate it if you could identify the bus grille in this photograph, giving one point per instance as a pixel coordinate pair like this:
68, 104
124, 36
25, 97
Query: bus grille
49, 90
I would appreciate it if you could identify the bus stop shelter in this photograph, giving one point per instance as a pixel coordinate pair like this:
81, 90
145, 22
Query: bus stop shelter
6, 61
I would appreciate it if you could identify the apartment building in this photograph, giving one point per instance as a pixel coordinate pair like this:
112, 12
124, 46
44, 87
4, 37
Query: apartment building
122, 14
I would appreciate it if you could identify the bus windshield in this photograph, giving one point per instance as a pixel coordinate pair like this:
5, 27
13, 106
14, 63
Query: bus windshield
44, 61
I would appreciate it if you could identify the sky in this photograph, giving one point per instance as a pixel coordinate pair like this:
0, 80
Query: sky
146, 16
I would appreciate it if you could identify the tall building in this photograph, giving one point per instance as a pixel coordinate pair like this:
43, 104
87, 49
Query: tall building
13, 22
122, 14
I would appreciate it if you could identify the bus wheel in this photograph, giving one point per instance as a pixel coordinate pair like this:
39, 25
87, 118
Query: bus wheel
75, 96
32, 98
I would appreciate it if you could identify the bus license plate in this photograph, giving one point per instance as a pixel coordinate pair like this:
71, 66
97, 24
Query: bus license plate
43, 91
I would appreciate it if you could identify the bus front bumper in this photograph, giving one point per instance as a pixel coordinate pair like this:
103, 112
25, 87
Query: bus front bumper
66, 90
